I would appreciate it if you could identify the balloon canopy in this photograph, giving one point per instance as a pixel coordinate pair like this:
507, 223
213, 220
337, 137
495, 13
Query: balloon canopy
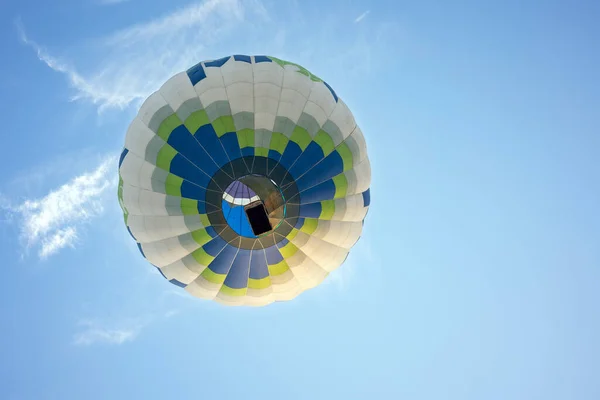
245, 180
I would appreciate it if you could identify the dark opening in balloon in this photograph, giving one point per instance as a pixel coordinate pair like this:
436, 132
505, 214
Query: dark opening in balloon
258, 218
253, 205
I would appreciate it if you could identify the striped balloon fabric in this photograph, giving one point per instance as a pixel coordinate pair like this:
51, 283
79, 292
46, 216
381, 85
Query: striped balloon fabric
245, 180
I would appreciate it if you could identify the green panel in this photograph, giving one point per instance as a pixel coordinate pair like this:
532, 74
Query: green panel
324, 140
213, 277
246, 138
346, 154
201, 237
301, 137
292, 234
279, 268
121, 203
196, 120
165, 156
189, 206
288, 250
233, 292
224, 125
327, 209
278, 142
202, 257
204, 220
173, 185
259, 283
301, 69
261, 152
310, 225
167, 126
341, 186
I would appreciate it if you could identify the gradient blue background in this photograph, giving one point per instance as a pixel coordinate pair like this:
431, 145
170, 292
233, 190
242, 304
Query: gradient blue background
477, 274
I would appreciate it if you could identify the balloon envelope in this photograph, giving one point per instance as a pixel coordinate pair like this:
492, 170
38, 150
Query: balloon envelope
244, 180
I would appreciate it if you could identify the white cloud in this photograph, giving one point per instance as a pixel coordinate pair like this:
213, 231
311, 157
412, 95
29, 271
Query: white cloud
361, 16
51, 222
93, 333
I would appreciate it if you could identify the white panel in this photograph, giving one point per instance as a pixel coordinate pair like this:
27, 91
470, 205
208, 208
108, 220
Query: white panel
264, 121
316, 112
241, 97
179, 271
321, 96
292, 79
363, 176
178, 90
343, 118
213, 80
268, 72
236, 71
203, 288
155, 103
212, 95
138, 136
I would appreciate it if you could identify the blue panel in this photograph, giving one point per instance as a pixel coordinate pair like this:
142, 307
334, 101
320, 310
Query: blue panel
248, 151
222, 263
129, 230
215, 246
237, 278
273, 255
258, 265
191, 191
299, 223
177, 283
311, 155
332, 91
323, 191
196, 74
283, 242
275, 156
123, 154
260, 59
201, 207
231, 145
310, 210
207, 136
290, 154
211, 231
140, 249
181, 167
182, 140
239, 57
331, 166
367, 197
236, 219
217, 63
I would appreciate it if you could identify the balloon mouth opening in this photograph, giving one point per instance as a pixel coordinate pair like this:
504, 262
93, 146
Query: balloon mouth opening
253, 206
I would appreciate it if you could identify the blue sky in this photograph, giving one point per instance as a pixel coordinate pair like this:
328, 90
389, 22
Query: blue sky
477, 273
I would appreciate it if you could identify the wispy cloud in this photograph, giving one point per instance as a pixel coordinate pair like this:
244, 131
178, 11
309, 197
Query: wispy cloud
362, 16
135, 61
93, 332
51, 222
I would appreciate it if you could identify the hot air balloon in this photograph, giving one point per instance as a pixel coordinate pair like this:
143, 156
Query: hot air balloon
244, 180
